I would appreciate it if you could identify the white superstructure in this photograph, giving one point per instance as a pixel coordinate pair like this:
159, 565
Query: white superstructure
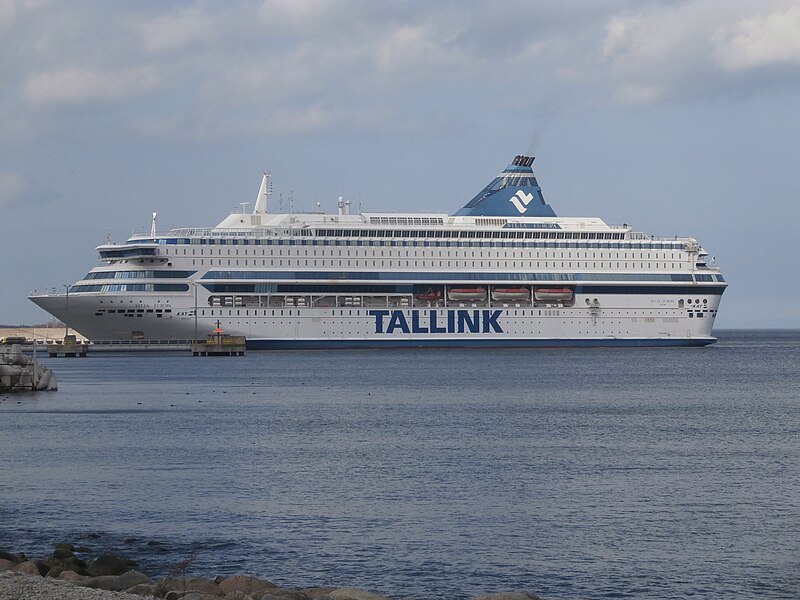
503, 271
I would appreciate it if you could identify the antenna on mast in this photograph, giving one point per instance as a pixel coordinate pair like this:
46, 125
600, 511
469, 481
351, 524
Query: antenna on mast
153, 225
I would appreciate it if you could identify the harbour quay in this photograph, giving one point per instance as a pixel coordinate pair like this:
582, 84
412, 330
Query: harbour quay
44, 340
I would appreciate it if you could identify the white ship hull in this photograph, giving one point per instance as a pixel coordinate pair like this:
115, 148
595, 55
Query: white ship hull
502, 271
619, 321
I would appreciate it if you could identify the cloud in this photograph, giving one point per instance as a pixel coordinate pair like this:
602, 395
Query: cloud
11, 9
760, 41
284, 121
649, 55
8, 13
699, 48
408, 46
314, 63
172, 32
11, 186
305, 65
77, 85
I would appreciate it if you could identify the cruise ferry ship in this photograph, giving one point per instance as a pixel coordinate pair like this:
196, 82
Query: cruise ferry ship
503, 271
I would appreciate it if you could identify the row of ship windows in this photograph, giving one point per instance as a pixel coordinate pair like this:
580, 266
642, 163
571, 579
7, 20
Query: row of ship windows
458, 264
381, 233
632, 315
290, 312
619, 245
447, 254
427, 276
159, 313
133, 312
143, 274
182, 275
344, 276
130, 287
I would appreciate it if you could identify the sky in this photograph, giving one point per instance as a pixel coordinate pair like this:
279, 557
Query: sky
679, 118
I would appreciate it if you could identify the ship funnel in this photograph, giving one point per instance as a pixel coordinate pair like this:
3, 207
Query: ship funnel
513, 193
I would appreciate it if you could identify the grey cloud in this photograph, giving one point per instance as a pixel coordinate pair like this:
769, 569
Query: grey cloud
701, 49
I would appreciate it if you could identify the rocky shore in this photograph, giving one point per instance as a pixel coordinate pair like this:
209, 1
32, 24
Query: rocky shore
71, 573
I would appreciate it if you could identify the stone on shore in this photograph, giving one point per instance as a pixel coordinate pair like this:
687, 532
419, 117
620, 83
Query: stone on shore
73, 577
63, 553
117, 583
112, 578
108, 564
245, 584
143, 589
355, 594
65, 546
27, 568
188, 584
196, 596
280, 594
7, 565
54, 571
237, 595
15, 558
315, 593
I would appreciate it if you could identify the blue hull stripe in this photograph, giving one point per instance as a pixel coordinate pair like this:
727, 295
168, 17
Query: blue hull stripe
286, 344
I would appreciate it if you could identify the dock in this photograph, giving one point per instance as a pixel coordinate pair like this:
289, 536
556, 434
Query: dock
222, 345
70, 346
39, 339
219, 343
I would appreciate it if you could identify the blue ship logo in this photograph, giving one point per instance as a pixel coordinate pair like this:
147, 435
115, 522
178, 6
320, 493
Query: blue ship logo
520, 200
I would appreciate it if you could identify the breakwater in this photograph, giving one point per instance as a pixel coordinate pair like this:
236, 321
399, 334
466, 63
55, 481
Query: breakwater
21, 373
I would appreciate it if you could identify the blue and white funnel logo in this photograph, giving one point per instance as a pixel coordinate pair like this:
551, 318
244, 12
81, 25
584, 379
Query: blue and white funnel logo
520, 200
512, 193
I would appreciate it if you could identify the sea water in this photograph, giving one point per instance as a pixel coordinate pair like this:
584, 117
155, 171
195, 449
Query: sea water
570, 473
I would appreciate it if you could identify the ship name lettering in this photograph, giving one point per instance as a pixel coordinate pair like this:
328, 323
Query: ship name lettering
451, 321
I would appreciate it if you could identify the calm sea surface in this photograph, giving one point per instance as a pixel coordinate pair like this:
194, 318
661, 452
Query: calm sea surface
585, 473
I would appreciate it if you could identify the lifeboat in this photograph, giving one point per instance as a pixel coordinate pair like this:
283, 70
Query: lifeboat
429, 296
466, 293
553, 294
511, 293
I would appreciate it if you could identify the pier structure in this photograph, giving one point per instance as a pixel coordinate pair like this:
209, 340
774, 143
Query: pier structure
70, 346
218, 343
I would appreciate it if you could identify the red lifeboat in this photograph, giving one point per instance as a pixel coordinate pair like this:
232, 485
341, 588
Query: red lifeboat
553, 294
511, 293
429, 296
476, 293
